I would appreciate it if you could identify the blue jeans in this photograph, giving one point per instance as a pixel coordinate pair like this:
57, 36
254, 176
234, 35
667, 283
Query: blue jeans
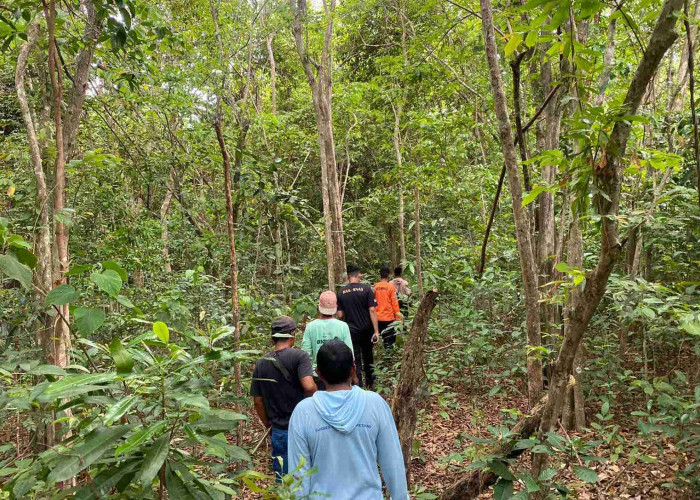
279, 451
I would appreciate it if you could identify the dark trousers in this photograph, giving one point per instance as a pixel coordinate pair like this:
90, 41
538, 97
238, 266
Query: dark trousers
388, 333
278, 439
364, 357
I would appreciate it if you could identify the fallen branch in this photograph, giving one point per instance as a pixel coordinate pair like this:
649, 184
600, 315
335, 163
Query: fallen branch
472, 485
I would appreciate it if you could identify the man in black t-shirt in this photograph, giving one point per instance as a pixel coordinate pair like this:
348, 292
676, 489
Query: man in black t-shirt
356, 305
281, 379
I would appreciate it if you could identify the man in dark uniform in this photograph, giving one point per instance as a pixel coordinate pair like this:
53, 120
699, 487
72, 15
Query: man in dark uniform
356, 306
281, 379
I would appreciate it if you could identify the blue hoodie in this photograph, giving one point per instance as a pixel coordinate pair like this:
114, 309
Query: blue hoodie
344, 434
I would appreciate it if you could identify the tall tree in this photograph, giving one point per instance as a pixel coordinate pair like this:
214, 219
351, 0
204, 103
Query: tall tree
607, 175
528, 265
319, 75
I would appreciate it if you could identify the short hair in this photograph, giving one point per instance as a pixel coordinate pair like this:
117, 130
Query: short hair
398, 271
335, 361
353, 270
384, 272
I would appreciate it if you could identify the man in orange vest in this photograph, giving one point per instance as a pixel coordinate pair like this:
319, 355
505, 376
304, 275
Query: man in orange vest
387, 307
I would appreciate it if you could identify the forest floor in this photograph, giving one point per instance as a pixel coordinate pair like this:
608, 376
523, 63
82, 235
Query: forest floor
445, 421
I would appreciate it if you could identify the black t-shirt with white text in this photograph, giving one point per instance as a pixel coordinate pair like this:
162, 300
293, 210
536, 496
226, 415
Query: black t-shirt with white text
355, 299
281, 396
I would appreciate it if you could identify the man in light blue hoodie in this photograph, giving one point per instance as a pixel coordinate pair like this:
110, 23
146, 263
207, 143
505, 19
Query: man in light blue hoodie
344, 432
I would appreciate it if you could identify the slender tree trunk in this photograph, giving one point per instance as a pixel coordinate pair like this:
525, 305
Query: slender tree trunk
416, 228
319, 78
691, 75
273, 73
233, 258
522, 226
399, 167
61, 335
607, 176
164, 208
42, 244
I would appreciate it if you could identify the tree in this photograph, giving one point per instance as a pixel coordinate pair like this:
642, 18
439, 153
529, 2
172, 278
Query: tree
319, 76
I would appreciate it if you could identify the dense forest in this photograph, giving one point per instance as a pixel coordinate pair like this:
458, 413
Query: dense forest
175, 174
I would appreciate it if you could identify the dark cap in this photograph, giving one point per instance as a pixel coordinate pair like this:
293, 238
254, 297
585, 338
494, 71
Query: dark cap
283, 326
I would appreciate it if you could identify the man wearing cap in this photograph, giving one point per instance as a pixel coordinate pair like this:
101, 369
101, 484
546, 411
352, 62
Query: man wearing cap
325, 328
281, 379
357, 307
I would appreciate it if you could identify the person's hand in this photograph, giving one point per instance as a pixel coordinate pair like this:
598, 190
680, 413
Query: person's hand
375, 337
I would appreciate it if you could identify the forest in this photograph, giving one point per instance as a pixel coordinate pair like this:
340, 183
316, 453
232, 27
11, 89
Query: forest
175, 174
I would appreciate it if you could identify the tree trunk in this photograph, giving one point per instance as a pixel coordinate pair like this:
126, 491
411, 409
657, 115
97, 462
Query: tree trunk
522, 226
574, 411
319, 78
273, 73
405, 403
42, 244
607, 175
235, 312
164, 207
416, 228
60, 354
399, 167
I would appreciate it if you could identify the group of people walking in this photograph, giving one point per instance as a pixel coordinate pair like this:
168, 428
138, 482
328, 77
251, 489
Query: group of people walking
313, 399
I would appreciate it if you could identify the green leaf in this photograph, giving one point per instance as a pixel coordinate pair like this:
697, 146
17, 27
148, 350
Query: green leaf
176, 486
24, 256
108, 281
68, 385
121, 356
154, 459
78, 269
161, 331
95, 444
691, 327
88, 320
649, 313
139, 437
16, 270
530, 483
118, 409
503, 489
531, 39
110, 264
194, 400
125, 302
501, 470
585, 474
547, 474
513, 43
532, 195
54, 370
61, 295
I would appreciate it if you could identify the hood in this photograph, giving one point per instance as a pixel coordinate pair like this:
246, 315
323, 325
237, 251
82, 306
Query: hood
342, 410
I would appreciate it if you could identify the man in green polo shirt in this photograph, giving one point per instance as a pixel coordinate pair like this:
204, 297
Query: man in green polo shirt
325, 328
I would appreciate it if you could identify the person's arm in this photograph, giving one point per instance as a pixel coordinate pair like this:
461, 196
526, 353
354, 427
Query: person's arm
298, 453
375, 323
309, 386
306, 375
372, 305
260, 409
390, 455
395, 304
